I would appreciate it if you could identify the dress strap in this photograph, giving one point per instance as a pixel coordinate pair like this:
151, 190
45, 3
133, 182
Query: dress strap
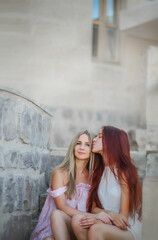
57, 192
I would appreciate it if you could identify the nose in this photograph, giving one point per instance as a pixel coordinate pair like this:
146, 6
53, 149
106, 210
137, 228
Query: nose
94, 139
82, 146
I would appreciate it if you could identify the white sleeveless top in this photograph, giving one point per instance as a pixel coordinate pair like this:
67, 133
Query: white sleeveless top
109, 194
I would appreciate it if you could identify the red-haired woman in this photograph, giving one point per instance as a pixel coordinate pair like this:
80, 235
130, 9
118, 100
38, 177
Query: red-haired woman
115, 188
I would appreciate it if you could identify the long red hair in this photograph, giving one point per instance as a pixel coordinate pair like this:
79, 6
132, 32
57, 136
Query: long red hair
116, 150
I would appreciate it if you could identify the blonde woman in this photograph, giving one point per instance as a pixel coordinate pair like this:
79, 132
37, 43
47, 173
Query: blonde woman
68, 192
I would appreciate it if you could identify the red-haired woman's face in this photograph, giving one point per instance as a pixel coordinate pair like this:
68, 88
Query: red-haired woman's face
97, 146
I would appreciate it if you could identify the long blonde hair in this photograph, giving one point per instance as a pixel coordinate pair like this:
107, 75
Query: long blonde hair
68, 163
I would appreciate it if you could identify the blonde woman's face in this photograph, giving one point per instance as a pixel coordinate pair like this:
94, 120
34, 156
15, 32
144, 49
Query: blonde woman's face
82, 148
97, 146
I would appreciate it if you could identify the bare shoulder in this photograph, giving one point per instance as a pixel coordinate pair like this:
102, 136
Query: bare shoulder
124, 184
59, 177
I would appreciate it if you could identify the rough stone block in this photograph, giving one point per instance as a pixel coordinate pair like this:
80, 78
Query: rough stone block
10, 120
9, 194
55, 160
36, 158
26, 160
42, 201
1, 111
1, 192
26, 126
19, 193
28, 195
34, 139
39, 131
1, 158
42, 184
47, 133
139, 159
35, 194
11, 159
150, 208
152, 164
45, 162
15, 227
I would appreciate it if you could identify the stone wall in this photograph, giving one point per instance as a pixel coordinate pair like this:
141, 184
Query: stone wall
25, 153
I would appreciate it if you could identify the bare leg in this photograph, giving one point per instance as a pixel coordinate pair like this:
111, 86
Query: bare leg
61, 226
101, 231
81, 233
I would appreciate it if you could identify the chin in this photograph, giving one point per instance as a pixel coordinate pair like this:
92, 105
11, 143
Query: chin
94, 151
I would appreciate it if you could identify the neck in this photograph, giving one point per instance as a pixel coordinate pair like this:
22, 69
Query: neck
105, 160
81, 166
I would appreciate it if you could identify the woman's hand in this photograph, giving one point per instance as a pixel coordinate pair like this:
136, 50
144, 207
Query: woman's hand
120, 221
88, 221
104, 217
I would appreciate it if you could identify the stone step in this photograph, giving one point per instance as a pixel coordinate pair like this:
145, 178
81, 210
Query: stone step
42, 199
33, 224
35, 215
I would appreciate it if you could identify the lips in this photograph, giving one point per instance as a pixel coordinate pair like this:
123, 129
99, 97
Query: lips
81, 153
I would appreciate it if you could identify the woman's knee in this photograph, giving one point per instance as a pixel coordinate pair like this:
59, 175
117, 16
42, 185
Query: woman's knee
93, 232
56, 215
98, 231
76, 222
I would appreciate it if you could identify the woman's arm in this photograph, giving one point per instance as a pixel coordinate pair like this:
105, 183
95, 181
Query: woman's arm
59, 180
119, 219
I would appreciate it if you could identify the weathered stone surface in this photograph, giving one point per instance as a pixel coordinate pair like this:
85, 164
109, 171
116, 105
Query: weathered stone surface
1, 111
152, 164
67, 113
45, 162
36, 159
15, 227
42, 200
150, 208
34, 139
1, 158
139, 159
28, 195
19, 193
9, 194
26, 160
46, 133
1, 192
55, 161
10, 120
11, 159
51, 132
26, 126
39, 131
42, 184
132, 140
30, 128
35, 193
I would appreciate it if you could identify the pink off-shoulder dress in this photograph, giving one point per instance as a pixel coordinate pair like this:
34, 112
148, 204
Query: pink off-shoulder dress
43, 228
